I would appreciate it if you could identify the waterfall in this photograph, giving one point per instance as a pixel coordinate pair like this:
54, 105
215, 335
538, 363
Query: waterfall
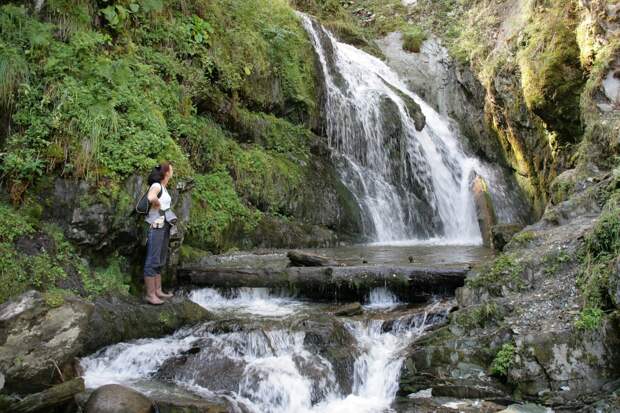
265, 368
411, 184
382, 298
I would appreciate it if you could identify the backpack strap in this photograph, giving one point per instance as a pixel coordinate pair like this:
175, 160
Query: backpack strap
161, 189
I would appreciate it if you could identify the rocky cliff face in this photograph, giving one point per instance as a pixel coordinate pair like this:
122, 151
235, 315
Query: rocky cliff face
541, 321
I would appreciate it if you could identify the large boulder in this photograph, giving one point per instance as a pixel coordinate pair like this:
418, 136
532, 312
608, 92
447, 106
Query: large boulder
501, 234
39, 342
113, 398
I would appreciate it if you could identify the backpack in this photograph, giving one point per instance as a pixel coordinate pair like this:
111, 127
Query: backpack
144, 206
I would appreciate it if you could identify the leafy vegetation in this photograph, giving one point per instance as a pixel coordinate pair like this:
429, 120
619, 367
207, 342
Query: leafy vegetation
599, 253
225, 90
589, 319
479, 316
503, 271
523, 237
37, 255
413, 38
504, 359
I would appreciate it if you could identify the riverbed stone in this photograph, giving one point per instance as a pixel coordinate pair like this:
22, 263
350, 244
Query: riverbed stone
349, 310
113, 398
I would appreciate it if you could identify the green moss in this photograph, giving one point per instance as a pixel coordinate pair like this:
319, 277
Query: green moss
413, 38
216, 206
604, 240
504, 359
55, 297
553, 262
598, 254
503, 271
523, 237
479, 316
191, 254
111, 278
551, 76
167, 318
13, 224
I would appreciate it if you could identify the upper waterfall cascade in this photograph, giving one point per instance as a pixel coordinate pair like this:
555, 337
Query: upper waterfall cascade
412, 185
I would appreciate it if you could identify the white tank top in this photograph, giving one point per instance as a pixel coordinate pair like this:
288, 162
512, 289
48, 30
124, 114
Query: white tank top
165, 202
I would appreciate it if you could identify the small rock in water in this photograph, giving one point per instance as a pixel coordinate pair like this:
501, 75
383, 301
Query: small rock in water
422, 394
526, 408
349, 310
113, 398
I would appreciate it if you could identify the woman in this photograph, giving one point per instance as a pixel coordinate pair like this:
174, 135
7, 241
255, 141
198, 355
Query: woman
159, 232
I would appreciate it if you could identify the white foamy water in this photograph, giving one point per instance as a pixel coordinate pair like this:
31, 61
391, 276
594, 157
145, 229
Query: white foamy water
125, 363
256, 301
382, 299
411, 184
275, 371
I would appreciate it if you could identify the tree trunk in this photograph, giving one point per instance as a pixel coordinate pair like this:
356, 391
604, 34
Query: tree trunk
47, 399
305, 259
334, 283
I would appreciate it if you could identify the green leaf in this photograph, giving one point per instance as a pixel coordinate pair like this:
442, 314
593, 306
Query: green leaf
110, 15
134, 7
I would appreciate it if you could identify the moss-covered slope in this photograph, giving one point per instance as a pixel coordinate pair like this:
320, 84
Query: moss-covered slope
94, 93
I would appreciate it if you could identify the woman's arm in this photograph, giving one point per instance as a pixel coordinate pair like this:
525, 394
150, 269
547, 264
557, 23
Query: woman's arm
152, 195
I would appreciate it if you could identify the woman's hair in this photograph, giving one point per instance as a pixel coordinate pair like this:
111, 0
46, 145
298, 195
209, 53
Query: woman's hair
158, 173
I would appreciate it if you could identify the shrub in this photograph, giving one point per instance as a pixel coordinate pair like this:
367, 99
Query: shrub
504, 359
413, 38
589, 319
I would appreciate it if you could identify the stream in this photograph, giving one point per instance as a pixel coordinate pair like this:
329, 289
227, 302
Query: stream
261, 361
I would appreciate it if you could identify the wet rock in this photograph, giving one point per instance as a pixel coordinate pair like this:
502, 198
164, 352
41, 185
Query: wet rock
446, 405
484, 209
349, 310
453, 365
37, 341
113, 398
189, 404
124, 318
563, 364
525, 408
501, 234
450, 88
207, 368
330, 338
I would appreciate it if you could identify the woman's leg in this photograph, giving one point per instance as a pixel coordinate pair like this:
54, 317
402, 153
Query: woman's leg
151, 264
162, 262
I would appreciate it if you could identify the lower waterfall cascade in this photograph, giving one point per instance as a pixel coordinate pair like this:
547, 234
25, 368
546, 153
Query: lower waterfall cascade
277, 372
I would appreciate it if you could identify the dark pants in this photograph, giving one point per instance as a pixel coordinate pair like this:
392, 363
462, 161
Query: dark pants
156, 250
